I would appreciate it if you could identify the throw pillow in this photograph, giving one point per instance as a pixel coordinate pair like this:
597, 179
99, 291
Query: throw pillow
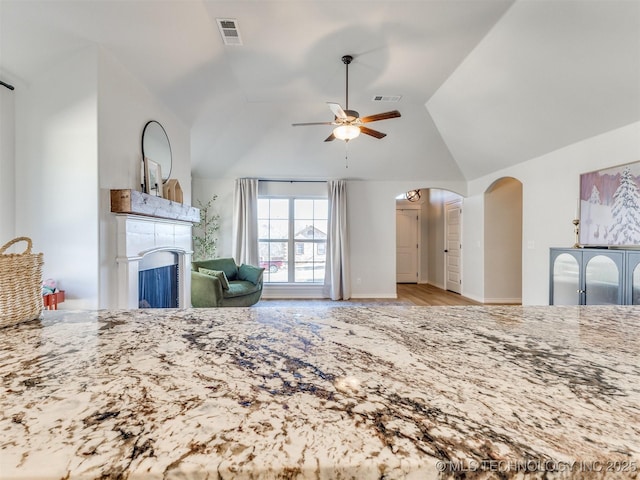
250, 273
217, 273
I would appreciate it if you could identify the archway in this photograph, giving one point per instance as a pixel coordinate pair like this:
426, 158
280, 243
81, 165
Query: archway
503, 241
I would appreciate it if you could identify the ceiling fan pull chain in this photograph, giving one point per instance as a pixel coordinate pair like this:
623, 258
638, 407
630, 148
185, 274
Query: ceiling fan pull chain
346, 154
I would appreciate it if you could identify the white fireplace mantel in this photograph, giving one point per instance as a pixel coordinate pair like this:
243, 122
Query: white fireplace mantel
138, 236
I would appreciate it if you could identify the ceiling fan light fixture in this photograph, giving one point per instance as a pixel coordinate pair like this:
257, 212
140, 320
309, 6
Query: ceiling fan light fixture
413, 195
348, 123
346, 132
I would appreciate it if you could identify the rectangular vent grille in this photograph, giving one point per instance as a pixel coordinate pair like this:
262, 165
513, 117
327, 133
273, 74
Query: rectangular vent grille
229, 30
387, 98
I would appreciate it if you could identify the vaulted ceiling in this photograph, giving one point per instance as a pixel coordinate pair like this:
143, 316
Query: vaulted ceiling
484, 84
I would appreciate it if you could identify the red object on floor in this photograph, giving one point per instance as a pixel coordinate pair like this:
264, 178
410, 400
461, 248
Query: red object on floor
52, 300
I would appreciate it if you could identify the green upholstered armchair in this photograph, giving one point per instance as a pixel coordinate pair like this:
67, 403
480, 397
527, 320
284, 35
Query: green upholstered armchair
221, 283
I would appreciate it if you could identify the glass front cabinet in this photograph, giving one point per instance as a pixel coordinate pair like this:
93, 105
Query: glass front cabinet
633, 278
594, 277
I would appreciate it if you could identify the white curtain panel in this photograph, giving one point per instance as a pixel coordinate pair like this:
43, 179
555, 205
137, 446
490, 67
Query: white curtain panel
245, 221
337, 279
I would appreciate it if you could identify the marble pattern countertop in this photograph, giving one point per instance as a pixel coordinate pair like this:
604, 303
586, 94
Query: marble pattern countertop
380, 392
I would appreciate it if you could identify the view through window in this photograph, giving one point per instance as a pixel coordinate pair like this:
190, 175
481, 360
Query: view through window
292, 237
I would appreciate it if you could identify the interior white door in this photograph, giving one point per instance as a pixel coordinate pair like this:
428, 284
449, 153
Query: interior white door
407, 245
453, 245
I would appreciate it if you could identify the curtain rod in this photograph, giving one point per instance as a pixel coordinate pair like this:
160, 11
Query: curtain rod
291, 181
10, 87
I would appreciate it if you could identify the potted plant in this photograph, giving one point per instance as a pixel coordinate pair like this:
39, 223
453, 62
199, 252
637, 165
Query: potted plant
205, 237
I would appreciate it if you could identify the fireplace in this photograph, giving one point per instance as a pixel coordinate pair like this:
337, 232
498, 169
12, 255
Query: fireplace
148, 243
158, 280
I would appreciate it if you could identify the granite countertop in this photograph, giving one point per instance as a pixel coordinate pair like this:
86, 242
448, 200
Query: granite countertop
352, 392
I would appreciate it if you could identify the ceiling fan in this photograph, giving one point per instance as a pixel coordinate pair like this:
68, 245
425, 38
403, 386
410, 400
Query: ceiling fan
348, 124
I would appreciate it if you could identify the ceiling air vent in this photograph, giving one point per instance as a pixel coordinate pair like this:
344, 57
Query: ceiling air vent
229, 30
387, 98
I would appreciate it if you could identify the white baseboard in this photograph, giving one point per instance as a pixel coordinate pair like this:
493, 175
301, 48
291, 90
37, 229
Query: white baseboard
510, 301
77, 304
278, 292
274, 292
437, 285
475, 298
374, 295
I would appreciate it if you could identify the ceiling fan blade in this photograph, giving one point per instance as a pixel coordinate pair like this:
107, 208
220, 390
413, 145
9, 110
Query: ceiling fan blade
337, 110
330, 138
312, 123
380, 116
373, 133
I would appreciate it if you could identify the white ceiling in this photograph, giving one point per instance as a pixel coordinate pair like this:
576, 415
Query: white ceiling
485, 83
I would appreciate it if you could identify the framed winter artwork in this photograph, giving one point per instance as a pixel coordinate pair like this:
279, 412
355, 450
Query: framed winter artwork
610, 207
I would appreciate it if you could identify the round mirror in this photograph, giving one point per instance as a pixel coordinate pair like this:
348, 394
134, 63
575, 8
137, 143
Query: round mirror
156, 147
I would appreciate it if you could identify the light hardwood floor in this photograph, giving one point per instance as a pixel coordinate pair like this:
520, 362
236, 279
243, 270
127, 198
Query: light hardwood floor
408, 294
427, 295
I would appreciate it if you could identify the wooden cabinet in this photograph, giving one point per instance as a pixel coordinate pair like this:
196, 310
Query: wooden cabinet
592, 276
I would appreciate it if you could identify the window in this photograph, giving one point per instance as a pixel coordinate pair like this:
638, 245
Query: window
292, 225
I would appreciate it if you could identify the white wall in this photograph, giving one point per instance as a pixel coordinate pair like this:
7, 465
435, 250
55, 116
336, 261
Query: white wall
550, 193
202, 190
56, 199
78, 135
435, 231
425, 258
125, 105
7, 164
372, 228
503, 242
473, 247
371, 212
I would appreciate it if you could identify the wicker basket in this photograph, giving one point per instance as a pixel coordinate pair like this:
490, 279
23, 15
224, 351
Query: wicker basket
20, 284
